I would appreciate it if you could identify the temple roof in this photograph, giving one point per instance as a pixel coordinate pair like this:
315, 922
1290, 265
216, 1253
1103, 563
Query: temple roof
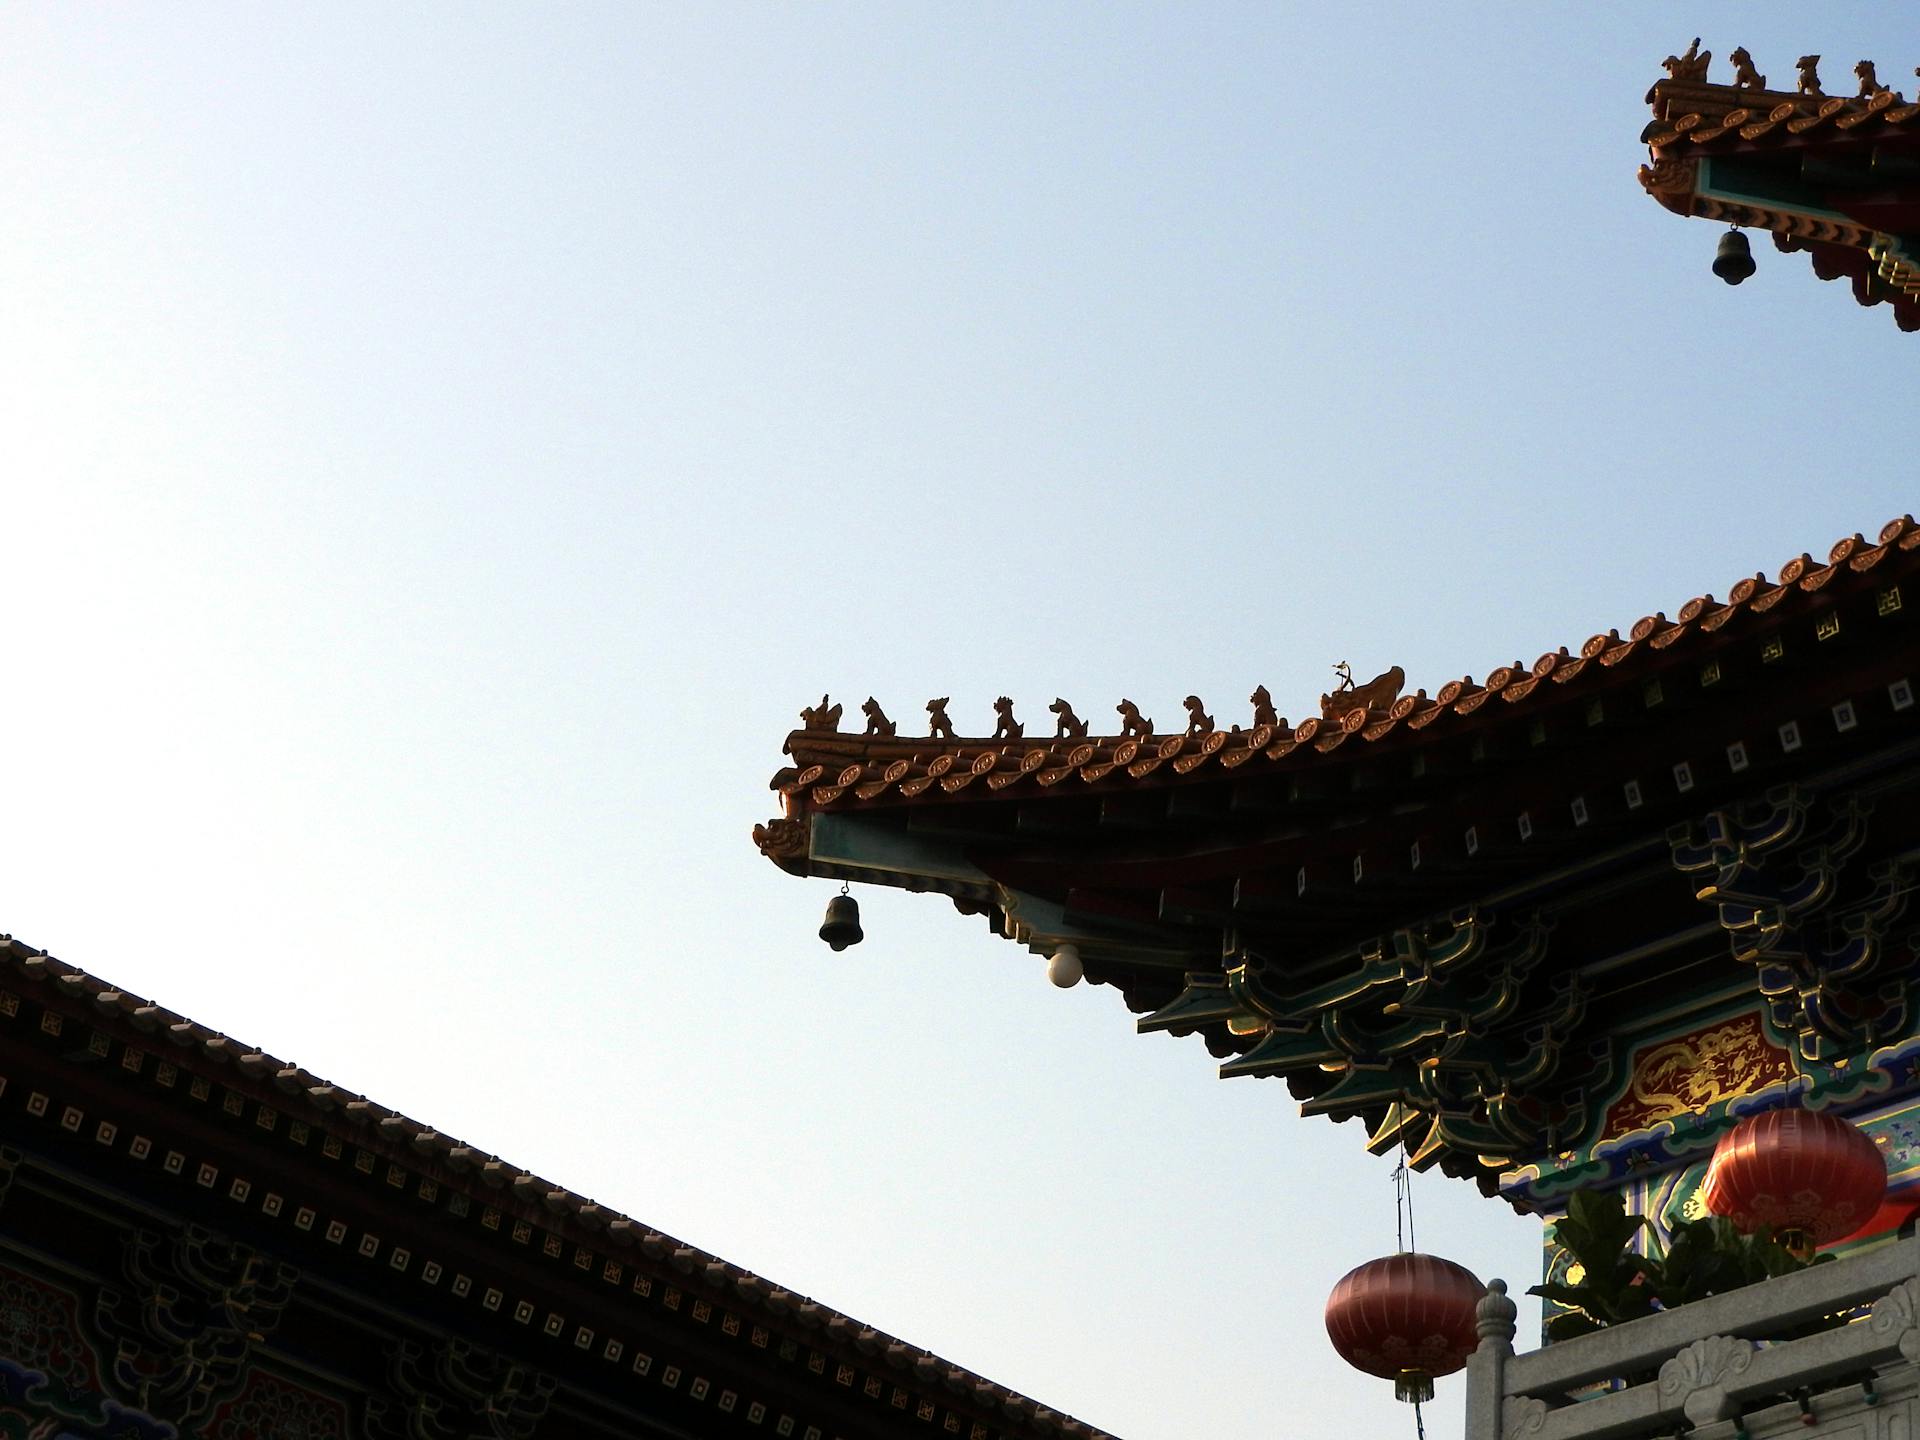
1450, 915
425, 1198
1835, 176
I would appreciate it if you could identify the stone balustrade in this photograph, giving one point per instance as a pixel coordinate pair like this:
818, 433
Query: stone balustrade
1712, 1370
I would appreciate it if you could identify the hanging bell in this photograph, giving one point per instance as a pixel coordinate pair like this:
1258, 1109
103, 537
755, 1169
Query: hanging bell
842, 926
1733, 262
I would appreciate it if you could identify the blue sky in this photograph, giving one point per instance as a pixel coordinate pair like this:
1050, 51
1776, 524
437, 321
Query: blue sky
440, 450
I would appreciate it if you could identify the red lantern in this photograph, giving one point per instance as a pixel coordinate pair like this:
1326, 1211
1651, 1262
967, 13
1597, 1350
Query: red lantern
1405, 1318
1808, 1176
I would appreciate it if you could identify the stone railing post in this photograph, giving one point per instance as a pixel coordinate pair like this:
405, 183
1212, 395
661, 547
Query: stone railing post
1487, 1366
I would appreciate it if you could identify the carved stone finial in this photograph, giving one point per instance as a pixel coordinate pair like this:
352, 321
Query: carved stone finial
938, 726
1495, 1314
1745, 77
1006, 728
1071, 726
824, 716
1133, 725
877, 721
1809, 68
1198, 721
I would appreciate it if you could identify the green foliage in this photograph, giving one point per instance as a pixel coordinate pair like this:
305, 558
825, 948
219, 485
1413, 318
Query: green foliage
1706, 1257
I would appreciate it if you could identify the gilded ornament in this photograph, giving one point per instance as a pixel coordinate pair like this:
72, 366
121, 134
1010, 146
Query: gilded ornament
1690, 1075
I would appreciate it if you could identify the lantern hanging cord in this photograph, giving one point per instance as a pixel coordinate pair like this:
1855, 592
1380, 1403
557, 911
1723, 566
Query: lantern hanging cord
1404, 1240
1403, 1235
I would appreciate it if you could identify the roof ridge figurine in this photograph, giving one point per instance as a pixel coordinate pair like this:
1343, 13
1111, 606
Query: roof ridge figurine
1198, 721
1378, 693
938, 726
877, 721
1006, 728
1133, 725
1745, 77
1071, 726
824, 716
1263, 711
1690, 66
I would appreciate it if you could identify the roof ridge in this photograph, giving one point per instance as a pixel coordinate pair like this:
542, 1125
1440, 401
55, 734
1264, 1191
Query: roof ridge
840, 770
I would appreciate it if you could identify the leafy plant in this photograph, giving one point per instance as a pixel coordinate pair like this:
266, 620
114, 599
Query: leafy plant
1705, 1257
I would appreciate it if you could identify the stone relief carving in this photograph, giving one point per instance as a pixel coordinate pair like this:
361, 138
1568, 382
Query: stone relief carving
1898, 1313
1697, 1376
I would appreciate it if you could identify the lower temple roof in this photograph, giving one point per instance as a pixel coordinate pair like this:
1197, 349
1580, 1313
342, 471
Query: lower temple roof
279, 1147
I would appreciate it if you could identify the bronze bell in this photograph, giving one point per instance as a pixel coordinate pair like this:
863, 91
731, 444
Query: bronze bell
842, 927
1734, 260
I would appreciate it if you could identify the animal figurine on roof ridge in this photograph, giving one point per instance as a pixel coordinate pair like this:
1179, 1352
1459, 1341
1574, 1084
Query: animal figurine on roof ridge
1071, 726
1007, 727
1378, 693
1690, 66
1198, 721
877, 721
1133, 725
824, 716
1745, 77
1809, 68
1263, 711
938, 726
